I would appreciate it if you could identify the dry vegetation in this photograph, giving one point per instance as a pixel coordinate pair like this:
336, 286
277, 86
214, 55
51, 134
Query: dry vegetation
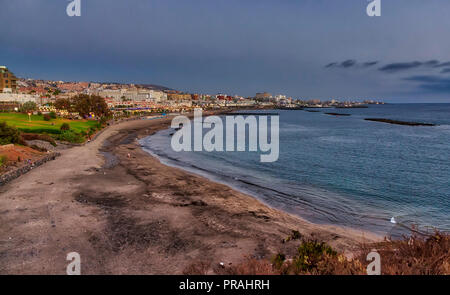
411, 256
15, 155
416, 255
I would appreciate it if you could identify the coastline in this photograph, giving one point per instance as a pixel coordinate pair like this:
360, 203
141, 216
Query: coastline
133, 214
242, 187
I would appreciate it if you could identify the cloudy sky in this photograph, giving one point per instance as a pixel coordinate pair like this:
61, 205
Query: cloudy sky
302, 48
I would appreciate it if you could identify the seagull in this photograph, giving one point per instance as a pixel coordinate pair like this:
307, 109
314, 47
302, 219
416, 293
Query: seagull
393, 220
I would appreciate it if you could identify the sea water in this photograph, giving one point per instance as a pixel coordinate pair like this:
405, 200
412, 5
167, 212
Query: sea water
343, 170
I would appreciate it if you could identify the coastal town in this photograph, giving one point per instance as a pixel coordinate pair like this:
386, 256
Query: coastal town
75, 178
215, 147
127, 99
43, 116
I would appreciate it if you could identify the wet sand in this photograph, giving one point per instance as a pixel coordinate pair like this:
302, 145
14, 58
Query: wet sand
126, 213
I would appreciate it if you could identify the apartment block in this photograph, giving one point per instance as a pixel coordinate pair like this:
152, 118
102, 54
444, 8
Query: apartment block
8, 82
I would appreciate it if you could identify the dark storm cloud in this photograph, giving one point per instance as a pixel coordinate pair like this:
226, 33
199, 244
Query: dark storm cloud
370, 63
350, 63
431, 63
444, 64
447, 70
426, 79
401, 66
433, 84
404, 66
392, 67
228, 45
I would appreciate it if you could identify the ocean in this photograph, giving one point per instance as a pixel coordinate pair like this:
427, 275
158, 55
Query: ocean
343, 171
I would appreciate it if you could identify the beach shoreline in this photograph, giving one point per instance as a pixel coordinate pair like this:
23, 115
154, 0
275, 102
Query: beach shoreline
125, 212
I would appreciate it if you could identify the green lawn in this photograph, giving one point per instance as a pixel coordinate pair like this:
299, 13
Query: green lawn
38, 125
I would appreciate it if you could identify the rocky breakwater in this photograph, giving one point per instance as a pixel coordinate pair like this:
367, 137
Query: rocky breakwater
396, 122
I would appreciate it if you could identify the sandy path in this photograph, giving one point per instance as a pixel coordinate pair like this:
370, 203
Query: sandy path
137, 215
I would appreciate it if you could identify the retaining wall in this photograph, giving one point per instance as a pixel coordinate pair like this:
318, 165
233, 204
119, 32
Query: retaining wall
8, 176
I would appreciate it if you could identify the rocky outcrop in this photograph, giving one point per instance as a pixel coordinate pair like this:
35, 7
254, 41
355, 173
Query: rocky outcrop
46, 146
338, 114
396, 122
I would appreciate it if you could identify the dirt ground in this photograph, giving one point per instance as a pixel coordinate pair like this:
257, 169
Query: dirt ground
134, 215
14, 153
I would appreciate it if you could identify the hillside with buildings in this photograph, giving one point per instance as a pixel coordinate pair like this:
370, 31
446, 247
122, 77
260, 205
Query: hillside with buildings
141, 97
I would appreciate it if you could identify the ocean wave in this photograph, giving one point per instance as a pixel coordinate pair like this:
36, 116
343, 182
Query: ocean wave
338, 139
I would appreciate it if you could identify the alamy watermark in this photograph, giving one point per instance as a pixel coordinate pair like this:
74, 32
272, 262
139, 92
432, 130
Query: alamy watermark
234, 139
74, 267
374, 8
74, 8
374, 267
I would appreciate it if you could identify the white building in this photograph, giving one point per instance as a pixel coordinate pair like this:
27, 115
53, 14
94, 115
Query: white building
279, 97
134, 95
20, 98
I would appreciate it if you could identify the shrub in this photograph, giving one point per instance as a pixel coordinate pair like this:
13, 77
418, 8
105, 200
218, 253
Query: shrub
9, 134
71, 136
29, 106
47, 117
52, 115
3, 160
278, 260
295, 235
40, 130
103, 121
309, 255
414, 255
65, 127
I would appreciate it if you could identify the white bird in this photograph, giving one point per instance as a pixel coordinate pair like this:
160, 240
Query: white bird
393, 220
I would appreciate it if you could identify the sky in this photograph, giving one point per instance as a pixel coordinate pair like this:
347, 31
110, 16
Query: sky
323, 49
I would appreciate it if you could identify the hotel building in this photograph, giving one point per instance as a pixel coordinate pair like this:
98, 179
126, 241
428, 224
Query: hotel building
8, 82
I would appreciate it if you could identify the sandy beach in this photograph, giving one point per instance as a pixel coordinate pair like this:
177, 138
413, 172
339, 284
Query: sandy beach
130, 214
